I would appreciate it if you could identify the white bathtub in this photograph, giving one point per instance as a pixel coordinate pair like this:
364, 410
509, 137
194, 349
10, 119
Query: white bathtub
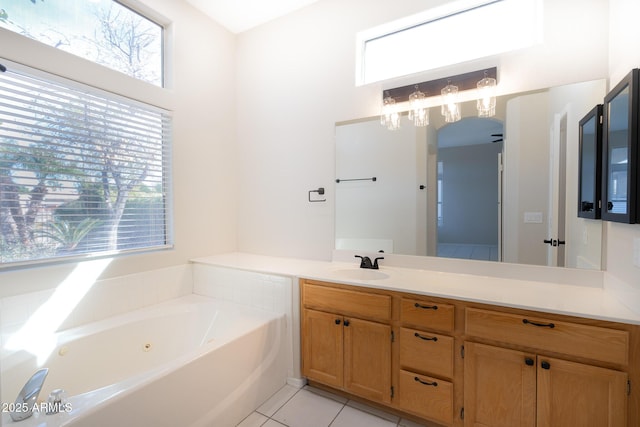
192, 361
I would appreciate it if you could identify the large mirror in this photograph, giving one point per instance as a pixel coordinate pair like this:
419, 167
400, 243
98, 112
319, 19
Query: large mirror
497, 189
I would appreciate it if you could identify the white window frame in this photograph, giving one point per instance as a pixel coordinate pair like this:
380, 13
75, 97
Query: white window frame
166, 159
453, 33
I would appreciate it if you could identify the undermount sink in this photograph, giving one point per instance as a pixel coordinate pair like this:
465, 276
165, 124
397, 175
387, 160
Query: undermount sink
359, 274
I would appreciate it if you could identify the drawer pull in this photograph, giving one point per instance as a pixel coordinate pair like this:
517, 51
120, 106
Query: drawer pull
542, 325
426, 307
435, 384
434, 339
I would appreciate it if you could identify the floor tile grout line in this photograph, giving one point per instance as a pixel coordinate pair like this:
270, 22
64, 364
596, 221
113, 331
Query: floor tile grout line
339, 412
280, 407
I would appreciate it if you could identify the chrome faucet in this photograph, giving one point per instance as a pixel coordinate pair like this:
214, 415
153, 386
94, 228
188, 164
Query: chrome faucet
27, 397
367, 263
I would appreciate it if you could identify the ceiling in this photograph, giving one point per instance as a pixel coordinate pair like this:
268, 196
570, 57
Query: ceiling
241, 15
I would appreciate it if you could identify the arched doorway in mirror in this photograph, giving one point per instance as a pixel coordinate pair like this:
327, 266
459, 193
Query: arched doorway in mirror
469, 190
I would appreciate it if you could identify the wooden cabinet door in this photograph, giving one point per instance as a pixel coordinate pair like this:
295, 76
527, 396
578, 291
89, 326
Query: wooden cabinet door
499, 387
574, 394
367, 359
322, 347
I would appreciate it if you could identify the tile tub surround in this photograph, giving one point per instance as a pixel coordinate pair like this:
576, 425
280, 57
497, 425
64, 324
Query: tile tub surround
262, 290
105, 298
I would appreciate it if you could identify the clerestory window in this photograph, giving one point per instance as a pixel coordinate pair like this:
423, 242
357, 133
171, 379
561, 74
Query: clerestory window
103, 31
83, 172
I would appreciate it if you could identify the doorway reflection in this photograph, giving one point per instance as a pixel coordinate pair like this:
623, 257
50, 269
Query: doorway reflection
469, 191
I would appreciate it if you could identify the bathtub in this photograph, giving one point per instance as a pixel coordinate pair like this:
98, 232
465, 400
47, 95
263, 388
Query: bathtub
192, 361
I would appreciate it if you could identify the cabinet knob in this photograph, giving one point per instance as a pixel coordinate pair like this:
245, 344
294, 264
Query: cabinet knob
529, 361
545, 365
337, 321
346, 322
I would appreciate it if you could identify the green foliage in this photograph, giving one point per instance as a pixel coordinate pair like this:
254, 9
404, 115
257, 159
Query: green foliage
66, 233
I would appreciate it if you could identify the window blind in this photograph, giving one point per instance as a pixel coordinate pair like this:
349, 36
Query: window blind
83, 172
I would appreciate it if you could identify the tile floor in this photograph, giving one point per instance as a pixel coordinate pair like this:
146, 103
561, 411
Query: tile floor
311, 407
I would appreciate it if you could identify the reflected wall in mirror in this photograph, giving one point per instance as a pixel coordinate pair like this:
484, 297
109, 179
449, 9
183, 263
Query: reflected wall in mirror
491, 189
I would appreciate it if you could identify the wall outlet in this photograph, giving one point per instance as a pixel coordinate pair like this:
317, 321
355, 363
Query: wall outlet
636, 252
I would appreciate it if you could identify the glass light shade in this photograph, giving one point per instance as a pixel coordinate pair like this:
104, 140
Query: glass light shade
417, 110
487, 97
389, 115
450, 105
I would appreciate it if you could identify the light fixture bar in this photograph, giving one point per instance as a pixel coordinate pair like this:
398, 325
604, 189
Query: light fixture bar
466, 81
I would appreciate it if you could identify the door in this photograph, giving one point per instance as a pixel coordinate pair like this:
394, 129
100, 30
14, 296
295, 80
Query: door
367, 359
574, 394
557, 202
499, 387
322, 347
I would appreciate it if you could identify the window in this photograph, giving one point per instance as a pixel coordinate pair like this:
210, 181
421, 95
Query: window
102, 31
453, 33
82, 172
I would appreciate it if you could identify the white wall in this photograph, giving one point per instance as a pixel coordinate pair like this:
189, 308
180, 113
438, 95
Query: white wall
296, 79
624, 54
202, 97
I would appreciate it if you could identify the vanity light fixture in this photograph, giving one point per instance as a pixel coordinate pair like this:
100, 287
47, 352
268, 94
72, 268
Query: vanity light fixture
450, 104
390, 116
487, 96
477, 85
418, 111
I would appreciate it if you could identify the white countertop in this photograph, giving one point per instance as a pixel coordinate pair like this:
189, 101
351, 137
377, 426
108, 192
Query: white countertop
574, 300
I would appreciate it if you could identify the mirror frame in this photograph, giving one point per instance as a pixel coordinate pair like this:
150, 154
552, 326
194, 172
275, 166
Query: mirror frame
595, 167
632, 82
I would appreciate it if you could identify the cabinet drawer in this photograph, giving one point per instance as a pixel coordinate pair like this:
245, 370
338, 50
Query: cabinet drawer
426, 397
348, 302
426, 352
427, 314
592, 342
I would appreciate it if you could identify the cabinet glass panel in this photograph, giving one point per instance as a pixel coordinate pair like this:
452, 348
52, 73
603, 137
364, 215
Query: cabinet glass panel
620, 145
590, 164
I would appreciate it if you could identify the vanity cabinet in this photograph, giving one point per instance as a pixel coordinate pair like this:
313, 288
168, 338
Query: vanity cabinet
426, 359
453, 363
506, 385
347, 345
